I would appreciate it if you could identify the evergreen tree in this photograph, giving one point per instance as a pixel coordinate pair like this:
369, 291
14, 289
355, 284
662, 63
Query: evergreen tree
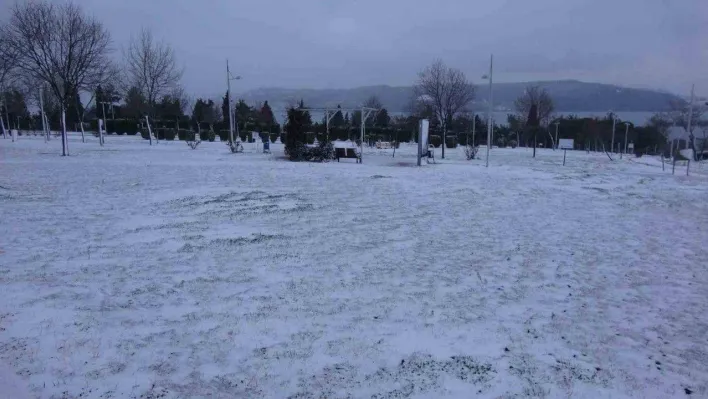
267, 118
382, 118
338, 118
346, 119
135, 104
296, 128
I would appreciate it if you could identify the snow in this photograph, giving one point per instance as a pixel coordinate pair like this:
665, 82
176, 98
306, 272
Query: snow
145, 271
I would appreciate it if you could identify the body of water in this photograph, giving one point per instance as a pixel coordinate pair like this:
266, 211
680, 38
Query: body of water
637, 118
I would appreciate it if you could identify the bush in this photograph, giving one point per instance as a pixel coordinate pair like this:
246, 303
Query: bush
144, 133
120, 133
224, 135
207, 135
513, 144
435, 140
451, 142
273, 137
471, 152
310, 137
170, 134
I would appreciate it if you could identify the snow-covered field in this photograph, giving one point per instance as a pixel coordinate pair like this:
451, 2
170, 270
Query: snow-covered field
145, 272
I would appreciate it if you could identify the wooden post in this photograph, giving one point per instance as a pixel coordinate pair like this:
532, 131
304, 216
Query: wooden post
564, 151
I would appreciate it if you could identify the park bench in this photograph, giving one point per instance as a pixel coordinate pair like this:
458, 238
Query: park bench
347, 153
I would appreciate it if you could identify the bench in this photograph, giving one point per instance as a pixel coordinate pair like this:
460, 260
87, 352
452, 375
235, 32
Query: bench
347, 153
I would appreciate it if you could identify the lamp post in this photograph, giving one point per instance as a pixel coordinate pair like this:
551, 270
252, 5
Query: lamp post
491, 101
229, 78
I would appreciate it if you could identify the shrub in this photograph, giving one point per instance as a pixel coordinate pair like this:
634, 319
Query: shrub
471, 152
207, 135
513, 144
184, 135
310, 138
224, 135
435, 140
160, 133
451, 142
170, 134
273, 137
144, 133
120, 133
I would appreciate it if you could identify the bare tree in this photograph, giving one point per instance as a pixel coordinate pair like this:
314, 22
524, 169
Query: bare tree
151, 66
446, 90
535, 95
60, 46
8, 60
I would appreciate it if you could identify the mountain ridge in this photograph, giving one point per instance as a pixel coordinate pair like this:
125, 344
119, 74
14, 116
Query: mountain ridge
569, 95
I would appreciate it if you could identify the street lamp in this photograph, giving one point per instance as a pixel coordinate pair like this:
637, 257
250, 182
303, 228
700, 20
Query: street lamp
229, 78
491, 101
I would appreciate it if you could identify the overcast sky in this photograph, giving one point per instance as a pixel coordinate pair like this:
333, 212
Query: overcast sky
345, 43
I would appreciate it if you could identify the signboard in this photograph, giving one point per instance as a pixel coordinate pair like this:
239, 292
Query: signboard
565, 144
630, 146
423, 126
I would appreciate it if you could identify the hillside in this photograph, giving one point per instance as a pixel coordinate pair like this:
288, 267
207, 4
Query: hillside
569, 96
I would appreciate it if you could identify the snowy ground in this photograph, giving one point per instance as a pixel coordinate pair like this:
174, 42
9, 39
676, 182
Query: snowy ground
144, 272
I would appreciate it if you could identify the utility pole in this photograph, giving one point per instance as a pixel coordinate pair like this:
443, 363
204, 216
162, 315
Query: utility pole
491, 99
232, 115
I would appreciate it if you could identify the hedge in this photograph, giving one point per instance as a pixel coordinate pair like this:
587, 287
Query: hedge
435, 140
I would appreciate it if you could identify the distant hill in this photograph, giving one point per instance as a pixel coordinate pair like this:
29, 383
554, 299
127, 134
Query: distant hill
569, 96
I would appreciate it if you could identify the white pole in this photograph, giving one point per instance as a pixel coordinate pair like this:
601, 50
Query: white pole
489, 122
228, 95
614, 121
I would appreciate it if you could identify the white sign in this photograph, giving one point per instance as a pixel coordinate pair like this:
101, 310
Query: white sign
565, 144
630, 146
423, 129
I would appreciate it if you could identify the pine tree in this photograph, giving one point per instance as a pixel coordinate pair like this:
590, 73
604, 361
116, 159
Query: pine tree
382, 118
338, 118
346, 119
267, 117
225, 110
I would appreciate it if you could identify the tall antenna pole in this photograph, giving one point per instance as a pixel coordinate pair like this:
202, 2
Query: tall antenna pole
491, 99
228, 98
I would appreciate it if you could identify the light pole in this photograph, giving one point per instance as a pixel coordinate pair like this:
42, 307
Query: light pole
229, 78
626, 130
491, 101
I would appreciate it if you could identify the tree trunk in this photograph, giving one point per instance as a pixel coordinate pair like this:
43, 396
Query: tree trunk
64, 136
147, 122
534, 145
83, 139
4, 132
444, 141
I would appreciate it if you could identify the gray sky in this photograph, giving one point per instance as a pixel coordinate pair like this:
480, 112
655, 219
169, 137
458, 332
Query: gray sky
347, 43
